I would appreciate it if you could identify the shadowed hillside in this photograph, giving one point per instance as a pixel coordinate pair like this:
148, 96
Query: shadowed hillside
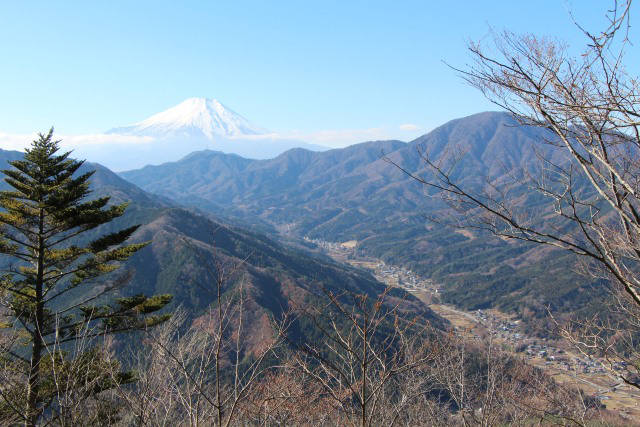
185, 247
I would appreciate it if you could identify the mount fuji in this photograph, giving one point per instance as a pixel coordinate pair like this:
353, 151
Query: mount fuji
193, 125
204, 117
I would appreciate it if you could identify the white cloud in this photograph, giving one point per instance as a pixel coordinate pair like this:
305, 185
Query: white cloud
332, 138
337, 138
409, 127
15, 141
21, 141
102, 138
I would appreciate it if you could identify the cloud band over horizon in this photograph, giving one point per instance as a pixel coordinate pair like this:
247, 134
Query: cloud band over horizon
330, 138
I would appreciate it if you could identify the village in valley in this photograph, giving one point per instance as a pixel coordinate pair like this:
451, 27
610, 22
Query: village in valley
556, 357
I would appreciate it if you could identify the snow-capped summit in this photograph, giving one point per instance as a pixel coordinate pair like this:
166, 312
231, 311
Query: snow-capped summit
193, 116
193, 125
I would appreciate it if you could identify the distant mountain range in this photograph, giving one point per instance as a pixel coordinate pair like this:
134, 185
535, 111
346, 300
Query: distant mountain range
185, 245
194, 124
353, 194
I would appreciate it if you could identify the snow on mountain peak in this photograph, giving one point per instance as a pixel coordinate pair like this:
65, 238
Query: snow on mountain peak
208, 116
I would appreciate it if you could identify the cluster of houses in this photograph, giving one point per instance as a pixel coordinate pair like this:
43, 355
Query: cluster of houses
533, 348
324, 245
402, 277
505, 329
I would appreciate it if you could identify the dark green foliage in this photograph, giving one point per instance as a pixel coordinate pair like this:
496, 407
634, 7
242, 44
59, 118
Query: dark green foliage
43, 219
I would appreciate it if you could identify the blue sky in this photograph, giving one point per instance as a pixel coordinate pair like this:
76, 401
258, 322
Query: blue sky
304, 66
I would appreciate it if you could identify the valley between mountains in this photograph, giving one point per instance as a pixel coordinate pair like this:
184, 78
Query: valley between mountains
271, 222
554, 356
262, 214
391, 225
275, 277
355, 194
304, 214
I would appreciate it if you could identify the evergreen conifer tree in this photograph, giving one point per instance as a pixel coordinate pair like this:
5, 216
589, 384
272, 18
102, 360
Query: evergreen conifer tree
51, 289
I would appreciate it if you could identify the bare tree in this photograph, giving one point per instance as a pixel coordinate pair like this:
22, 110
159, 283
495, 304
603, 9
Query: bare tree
374, 365
288, 396
589, 171
484, 385
365, 348
200, 373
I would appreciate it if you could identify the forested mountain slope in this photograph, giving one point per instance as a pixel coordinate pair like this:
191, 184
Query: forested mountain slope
355, 194
185, 247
